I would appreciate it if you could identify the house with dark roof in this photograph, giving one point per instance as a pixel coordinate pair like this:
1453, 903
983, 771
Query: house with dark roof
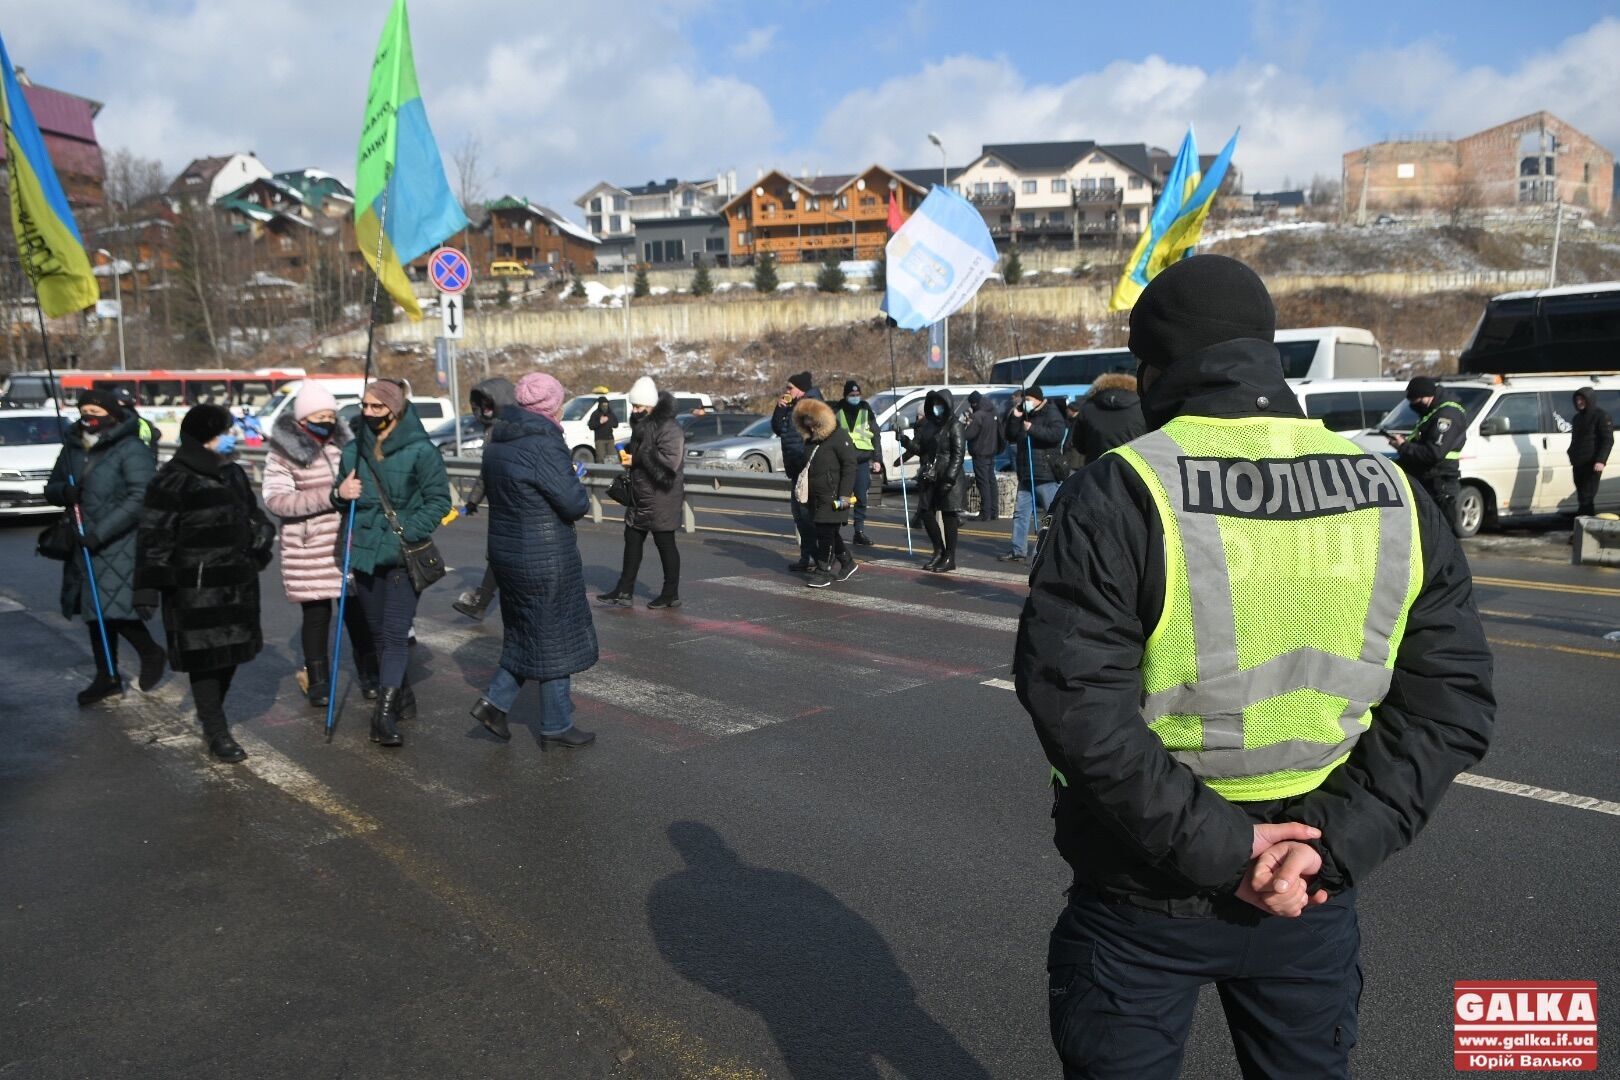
67, 124
205, 181
1061, 191
611, 210
808, 219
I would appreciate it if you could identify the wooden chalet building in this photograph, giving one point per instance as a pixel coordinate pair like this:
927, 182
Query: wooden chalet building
810, 219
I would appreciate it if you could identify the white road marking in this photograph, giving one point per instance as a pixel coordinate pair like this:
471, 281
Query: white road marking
1000, 684
1001, 577
9, 604
864, 602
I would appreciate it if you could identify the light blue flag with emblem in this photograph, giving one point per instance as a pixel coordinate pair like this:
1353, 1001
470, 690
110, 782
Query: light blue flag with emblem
937, 261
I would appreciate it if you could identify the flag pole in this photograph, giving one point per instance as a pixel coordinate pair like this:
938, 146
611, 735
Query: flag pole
78, 513
894, 422
359, 448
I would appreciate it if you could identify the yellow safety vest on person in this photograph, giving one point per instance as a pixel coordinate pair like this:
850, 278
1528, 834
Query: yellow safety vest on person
861, 433
1454, 455
1292, 559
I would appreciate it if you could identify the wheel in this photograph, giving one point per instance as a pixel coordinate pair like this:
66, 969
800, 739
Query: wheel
585, 455
1472, 508
758, 462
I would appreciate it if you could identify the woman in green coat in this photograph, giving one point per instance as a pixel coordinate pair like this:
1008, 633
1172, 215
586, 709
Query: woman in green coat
391, 448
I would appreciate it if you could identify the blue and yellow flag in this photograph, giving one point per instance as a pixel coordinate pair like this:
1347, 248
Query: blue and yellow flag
1178, 219
48, 242
402, 202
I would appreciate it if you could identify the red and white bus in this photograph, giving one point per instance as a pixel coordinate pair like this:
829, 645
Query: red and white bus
163, 396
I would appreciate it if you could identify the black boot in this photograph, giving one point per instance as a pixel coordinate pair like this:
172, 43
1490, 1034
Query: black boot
492, 718
367, 669
664, 600
320, 691
102, 687
571, 739
862, 539
407, 701
618, 597
384, 732
226, 748
153, 662
946, 563
933, 562
472, 603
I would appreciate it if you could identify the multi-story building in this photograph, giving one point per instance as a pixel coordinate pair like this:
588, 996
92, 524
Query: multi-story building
205, 181
1060, 192
611, 211
67, 124
525, 232
808, 219
1534, 161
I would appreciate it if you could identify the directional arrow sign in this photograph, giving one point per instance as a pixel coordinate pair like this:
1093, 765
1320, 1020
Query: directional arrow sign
455, 319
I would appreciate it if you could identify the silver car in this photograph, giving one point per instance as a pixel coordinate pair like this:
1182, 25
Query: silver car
757, 449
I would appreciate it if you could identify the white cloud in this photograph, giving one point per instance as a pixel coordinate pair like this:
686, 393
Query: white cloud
756, 43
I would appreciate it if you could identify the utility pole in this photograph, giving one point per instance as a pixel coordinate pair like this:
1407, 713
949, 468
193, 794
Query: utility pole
624, 276
945, 331
1558, 227
1366, 172
118, 297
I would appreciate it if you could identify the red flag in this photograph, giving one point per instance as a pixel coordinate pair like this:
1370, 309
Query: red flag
896, 219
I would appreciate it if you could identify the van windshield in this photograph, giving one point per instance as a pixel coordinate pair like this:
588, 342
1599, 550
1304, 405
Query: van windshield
1297, 358
579, 408
1404, 418
1015, 370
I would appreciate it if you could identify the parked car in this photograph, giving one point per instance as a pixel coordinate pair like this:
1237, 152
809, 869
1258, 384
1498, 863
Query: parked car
472, 437
756, 448
1573, 328
432, 411
30, 440
714, 426
577, 412
507, 268
1516, 460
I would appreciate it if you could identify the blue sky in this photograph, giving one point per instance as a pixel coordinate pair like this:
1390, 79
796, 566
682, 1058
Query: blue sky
563, 94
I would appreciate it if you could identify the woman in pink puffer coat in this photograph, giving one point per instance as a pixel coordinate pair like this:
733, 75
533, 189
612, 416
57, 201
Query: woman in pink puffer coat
300, 471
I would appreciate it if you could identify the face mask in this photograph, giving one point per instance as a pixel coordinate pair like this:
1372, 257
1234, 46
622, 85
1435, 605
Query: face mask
854, 399
94, 423
938, 412
377, 423
320, 431
226, 444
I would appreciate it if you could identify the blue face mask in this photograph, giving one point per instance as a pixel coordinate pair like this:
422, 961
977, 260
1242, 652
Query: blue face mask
320, 431
854, 399
225, 445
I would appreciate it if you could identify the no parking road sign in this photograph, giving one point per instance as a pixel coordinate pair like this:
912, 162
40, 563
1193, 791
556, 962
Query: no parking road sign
450, 270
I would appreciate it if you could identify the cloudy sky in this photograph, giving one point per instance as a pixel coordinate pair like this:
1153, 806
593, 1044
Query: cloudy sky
562, 93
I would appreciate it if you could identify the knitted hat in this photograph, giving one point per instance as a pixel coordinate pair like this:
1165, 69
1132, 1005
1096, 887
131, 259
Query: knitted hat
1196, 303
974, 399
1035, 393
803, 381
1421, 387
390, 393
541, 393
102, 399
644, 393
312, 398
851, 387
203, 422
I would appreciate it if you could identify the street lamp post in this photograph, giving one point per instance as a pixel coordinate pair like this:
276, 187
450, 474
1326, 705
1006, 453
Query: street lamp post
945, 331
118, 298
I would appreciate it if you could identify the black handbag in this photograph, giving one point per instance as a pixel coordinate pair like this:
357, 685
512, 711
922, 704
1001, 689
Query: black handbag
619, 490
59, 540
423, 563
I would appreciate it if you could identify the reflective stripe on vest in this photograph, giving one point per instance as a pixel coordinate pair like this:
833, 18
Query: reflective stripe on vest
1292, 559
861, 433
1455, 455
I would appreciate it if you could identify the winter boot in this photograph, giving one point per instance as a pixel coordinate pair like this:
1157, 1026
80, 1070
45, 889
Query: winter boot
933, 563
572, 739
384, 731
365, 665
153, 662
318, 690
861, 539
846, 566
407, 700
472, 603
619, 597
665, 600
820, 577
492, 718
102, 687
217, 733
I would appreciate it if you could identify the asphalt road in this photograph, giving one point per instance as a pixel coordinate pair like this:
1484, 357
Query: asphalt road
812, 841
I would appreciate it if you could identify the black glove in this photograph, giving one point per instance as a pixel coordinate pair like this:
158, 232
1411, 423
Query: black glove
469, 510
71, 495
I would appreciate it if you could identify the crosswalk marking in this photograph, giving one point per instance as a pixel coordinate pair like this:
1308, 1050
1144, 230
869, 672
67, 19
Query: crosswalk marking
1000, 684
865, 602
970, 573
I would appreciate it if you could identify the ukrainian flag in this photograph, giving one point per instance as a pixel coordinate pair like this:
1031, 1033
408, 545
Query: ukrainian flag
1177, 222
402, 203
48, 241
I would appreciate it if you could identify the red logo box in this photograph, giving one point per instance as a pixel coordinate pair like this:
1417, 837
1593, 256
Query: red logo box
1532, 1026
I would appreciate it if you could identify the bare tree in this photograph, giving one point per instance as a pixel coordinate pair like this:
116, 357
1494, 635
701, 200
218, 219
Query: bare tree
1463, 199
1324, 190
131, 178
471, 177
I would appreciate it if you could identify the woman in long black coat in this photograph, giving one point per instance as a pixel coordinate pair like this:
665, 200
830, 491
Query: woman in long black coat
104, 469
938, 445
203, 541
534, 499
657, 452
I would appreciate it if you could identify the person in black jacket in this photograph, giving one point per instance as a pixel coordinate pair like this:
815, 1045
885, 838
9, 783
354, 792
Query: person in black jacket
657, 474
1166, 869
939, 447
602, 424
1430, 452
793, 458
826, 485
535, 498
1591, 438
203, 541
1036, 431
1110, 416
984, 442
488, 399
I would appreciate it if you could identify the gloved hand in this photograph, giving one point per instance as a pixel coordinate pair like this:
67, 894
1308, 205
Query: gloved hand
470, 509
71, 495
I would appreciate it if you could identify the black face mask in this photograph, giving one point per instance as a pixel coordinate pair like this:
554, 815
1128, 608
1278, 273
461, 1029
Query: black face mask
320, 431
377, 423
94, 424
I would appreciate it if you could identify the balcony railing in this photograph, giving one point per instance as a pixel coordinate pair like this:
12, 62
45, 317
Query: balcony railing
832, 241
994, 198
1102, 195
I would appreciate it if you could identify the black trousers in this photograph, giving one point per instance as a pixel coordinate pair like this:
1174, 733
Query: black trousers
1444, 491
316, 635
208, 690
863, 486
1123, 985
1586, 489
942, 528
668, 555
984, 478
804, 523
829, 542
389, 600
131, 630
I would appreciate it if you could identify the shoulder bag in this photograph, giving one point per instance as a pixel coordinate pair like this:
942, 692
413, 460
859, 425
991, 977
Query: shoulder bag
423, 563
59, 540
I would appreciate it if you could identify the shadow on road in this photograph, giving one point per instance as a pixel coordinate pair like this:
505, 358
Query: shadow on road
820, 976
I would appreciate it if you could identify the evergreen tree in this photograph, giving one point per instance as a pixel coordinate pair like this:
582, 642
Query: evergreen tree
503, 296
765, 279
578, 291
1012, 271
701, 283
830, 278
641, 287
880, 272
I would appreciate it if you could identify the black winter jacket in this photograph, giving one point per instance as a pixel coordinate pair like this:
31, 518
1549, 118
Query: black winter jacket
657, 450
793, 449
939, 446
1441, 431
112, 477
534, 500
833, 461
1134, 823
203, 541
602, 423
1110, 416
1591, 433
983, 432
502, 394
1046, 432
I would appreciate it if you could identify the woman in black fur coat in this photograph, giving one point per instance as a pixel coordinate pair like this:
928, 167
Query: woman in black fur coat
203, 541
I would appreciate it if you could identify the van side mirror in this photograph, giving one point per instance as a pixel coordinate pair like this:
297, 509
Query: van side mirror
1496, 425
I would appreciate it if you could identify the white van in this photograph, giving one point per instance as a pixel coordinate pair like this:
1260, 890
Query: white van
432, 411
901, 406
1329, 352
1516, 460
1348, 406
577, 413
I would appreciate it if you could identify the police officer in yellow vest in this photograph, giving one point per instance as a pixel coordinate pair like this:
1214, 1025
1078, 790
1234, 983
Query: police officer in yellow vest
148, 432
1430, 453
1251, 653
855, 416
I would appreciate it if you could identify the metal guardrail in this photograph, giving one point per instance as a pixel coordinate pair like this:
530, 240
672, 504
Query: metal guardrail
712, 483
